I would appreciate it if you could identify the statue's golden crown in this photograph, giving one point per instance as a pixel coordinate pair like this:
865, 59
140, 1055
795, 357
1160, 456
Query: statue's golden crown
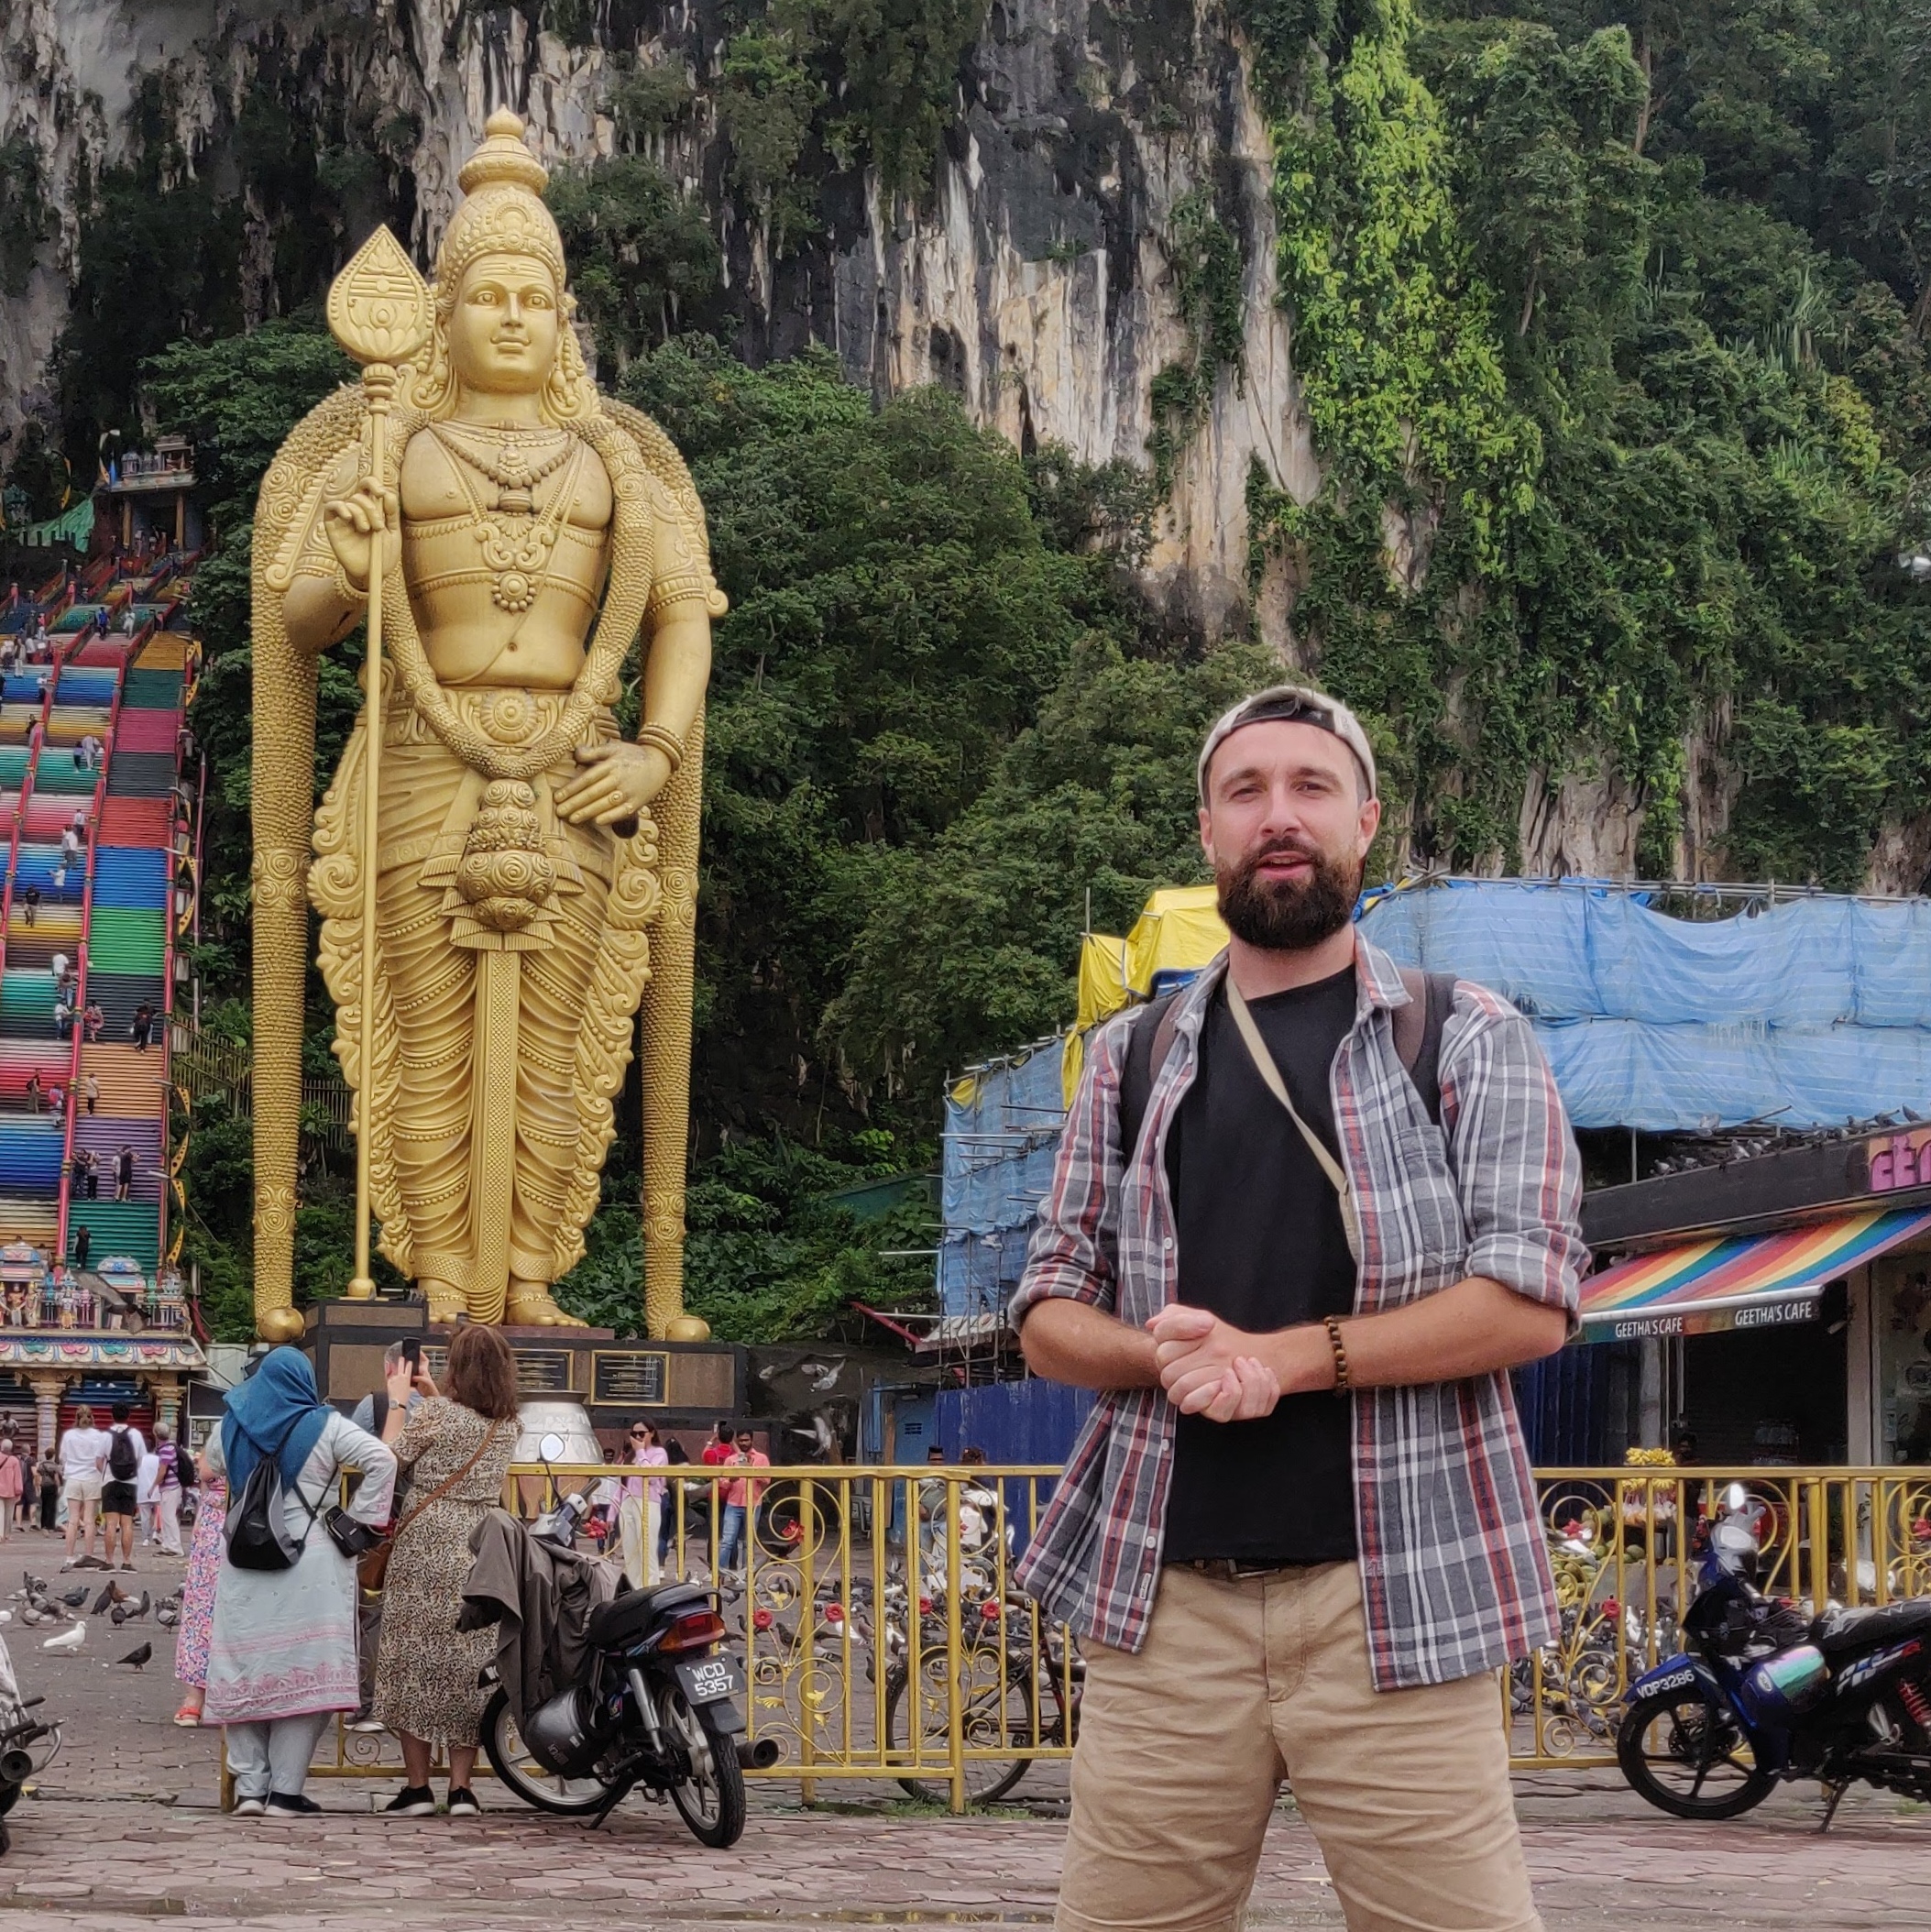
502, 210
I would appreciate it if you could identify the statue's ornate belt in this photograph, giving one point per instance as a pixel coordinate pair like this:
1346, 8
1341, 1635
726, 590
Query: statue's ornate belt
506, 715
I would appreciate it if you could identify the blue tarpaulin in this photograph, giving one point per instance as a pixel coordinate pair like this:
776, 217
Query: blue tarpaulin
1808, 1013
1001, 1133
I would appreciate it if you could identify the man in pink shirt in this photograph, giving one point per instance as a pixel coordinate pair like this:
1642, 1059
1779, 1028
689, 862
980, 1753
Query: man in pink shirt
741, 1499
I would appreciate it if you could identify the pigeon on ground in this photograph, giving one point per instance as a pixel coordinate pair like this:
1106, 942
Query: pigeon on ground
110, 1593
138, 1656
167, 1616
68, 1639
140, 1608
118, 1615
35, 1585
30, 1618
74, 1598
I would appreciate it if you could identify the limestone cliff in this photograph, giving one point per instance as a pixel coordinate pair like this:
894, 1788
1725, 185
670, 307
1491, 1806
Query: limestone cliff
1033, 279
1039, 270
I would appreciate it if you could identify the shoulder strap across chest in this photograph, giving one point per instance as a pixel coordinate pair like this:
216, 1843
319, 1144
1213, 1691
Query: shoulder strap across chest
1418, 1045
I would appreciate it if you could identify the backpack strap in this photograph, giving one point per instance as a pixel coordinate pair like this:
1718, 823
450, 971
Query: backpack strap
1418, 1032
1147, 1050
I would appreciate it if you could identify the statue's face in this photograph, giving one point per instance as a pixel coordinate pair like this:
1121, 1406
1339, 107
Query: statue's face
503, 335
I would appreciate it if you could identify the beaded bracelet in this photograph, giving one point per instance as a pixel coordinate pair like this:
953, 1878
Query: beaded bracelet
1340, 1352
664, 740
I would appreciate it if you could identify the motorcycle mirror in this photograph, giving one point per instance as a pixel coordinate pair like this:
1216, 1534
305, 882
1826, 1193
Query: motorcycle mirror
1736, 1497
550, 1447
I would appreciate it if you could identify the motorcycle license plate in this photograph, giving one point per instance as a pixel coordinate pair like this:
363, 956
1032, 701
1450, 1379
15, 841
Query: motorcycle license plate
709, 1680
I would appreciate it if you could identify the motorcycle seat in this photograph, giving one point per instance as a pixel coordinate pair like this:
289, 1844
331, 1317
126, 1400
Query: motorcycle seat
618, 1622
1837, 1632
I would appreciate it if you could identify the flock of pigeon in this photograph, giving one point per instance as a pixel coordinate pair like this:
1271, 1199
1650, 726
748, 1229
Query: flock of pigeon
37, 1607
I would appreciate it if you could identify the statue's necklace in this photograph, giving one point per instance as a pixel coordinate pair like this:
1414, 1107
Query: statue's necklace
512, 472
518, 559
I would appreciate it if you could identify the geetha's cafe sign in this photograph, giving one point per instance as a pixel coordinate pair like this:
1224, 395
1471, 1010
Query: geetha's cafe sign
1901, 1160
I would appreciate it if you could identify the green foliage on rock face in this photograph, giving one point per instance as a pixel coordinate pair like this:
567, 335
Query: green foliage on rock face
891, 67
642, 254
647, 98
26, 219
1615, 463
765, 104
36, 469
1208, 276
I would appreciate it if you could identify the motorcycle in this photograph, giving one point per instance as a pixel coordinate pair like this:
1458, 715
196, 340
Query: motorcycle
654, 1705
21, 1739
1765, 1692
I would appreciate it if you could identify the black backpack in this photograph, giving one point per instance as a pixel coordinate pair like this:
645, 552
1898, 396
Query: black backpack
1418, 1046
124, 1460
256, 1531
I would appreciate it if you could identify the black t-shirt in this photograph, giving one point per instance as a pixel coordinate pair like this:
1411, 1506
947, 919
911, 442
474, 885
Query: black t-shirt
1262, 1244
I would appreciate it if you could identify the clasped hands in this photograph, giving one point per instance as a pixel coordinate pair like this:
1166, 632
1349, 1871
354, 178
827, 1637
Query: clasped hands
1208, 1367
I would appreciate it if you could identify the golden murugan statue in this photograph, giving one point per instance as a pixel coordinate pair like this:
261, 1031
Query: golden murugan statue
535, 873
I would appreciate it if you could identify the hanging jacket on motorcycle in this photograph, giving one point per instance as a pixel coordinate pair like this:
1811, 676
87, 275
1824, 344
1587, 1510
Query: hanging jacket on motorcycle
541, 1599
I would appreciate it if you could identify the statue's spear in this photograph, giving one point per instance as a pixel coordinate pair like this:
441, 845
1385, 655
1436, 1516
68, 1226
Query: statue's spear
378, 310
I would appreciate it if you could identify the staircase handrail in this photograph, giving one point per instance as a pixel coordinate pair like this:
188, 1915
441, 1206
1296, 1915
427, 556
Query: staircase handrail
78, 1004
167, 1016
113, 727
76, 1030
7, 891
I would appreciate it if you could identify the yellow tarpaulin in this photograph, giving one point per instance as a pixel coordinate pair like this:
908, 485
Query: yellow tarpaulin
1179, 931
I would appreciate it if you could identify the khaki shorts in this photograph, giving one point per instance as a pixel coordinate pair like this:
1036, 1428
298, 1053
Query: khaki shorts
1241, 1684
83, 1490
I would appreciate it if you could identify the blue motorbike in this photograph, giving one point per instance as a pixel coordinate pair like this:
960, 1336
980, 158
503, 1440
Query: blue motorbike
1764, 1694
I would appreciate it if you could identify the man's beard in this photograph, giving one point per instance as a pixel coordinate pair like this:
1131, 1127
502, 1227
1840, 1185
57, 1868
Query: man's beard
1286, 915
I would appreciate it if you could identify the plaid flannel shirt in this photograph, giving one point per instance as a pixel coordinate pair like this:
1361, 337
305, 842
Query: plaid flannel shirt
1454, 1570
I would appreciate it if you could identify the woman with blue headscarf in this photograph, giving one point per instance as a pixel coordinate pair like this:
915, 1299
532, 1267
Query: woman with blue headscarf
282, 1655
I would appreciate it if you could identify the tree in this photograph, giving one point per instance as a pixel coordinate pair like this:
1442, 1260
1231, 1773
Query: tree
975, 940
238, 398
896, 620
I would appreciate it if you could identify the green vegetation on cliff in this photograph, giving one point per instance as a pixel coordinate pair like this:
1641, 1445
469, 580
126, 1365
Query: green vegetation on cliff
1619, 458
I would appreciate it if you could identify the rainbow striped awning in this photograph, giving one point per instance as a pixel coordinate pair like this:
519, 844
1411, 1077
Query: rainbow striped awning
1748, 1281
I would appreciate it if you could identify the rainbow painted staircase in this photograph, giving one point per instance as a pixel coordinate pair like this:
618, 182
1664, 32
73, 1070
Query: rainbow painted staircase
109, 916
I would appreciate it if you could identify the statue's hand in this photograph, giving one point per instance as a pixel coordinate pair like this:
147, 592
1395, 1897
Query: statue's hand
350, 522
618, 780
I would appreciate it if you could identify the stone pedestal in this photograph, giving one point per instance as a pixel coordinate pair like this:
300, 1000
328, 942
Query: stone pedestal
678, 1385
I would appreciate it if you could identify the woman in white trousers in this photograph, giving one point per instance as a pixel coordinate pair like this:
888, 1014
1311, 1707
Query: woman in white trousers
168, 1491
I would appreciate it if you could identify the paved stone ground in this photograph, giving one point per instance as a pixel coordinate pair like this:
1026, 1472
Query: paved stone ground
122, 1829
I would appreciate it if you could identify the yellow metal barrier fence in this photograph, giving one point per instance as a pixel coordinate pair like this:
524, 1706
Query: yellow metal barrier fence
873, 1613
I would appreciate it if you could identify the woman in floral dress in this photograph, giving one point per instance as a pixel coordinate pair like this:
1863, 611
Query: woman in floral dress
191, 1639
457, 1450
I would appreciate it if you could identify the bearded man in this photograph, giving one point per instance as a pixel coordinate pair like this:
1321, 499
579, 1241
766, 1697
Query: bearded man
1306, 1216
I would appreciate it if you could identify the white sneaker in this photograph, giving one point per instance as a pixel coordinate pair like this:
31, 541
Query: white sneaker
249, 1807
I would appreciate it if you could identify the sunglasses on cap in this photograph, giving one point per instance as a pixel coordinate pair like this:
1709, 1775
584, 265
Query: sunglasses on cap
1290, 710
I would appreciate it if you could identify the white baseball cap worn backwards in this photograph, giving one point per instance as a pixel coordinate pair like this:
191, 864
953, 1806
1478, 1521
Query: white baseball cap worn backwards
1291, 704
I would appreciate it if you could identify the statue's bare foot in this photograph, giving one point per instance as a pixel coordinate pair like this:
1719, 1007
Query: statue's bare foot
446, 1302
530, 1306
